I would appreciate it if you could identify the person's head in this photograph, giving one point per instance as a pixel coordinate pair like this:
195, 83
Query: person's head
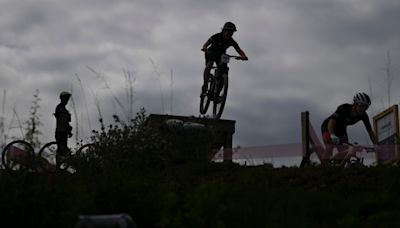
64, 96
362, 102
228, 30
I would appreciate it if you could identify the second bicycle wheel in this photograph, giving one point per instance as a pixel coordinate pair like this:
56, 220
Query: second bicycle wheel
18, 155
206, 99
49, 159
221, 92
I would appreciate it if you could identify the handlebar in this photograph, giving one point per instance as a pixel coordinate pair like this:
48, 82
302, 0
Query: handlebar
359, 148
237, 57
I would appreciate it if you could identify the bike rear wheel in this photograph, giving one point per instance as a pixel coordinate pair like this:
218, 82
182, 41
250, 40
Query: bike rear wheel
18, 155
206, 99
85, 150
220, 94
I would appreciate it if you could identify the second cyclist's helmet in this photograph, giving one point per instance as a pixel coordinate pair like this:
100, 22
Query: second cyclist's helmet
229, 26
362, 98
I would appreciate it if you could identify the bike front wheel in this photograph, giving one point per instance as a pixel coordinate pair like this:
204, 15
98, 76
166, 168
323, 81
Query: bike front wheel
18, 155
220, 94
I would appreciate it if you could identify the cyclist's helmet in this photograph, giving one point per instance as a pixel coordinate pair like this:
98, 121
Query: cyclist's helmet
362, 98
65, 94
229, 26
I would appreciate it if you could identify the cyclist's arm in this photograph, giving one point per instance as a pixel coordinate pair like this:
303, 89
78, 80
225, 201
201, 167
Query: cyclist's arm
239, 50
206, 44
242, 54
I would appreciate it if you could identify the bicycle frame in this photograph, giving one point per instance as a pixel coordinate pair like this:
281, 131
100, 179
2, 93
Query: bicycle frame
350, 155
223, 65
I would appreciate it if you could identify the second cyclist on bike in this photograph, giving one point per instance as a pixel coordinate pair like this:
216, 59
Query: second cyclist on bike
334, 128
217, 45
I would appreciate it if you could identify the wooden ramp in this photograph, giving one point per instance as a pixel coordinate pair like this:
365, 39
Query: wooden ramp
221, 130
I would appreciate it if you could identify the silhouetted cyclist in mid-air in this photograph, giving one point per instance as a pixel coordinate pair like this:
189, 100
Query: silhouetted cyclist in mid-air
63, 128
215, 46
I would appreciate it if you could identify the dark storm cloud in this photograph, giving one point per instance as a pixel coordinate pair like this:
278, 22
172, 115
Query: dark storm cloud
304, 55
353, 22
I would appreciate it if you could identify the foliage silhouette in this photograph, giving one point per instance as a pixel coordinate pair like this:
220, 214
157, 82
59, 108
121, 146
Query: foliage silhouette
162, 181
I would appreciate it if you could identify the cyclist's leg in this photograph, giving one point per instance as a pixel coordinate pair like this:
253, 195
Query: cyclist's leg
62, 143
344, 150
206, 74
210, 59
63, 153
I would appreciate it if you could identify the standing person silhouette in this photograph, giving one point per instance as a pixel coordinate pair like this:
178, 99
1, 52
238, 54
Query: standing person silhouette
63, 128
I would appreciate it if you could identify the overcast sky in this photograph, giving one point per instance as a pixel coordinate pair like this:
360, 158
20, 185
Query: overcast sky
303, 55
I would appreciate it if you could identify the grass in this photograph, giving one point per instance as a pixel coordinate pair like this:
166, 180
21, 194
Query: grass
207, 195
161, 182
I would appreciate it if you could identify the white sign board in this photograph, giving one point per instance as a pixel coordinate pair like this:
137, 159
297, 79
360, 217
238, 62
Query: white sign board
386, 126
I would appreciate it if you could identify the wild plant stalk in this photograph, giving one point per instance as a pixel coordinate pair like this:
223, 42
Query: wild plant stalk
158, 77
84, 100
97, 103
129, 82
107, 86
76, 117
33, 123
389, 75
3, 104
3, 138
370, 91
15, 115
172, 91
2, 120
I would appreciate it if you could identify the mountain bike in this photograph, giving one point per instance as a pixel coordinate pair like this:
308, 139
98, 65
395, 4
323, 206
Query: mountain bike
349, 157
60, 158
217, 85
